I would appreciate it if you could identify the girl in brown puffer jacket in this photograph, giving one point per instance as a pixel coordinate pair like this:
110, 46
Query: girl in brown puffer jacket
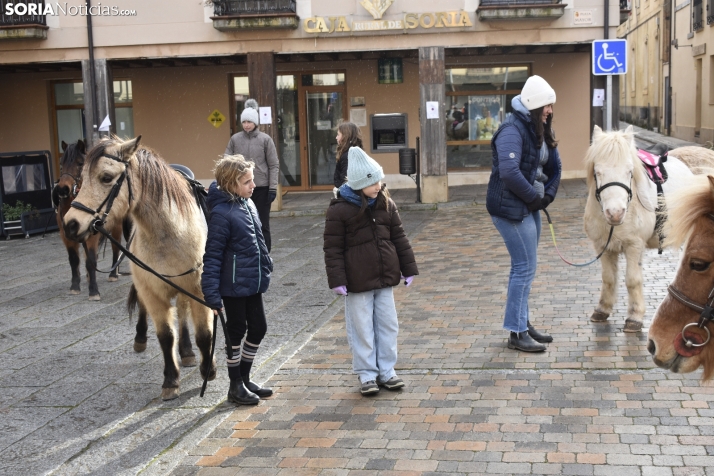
366, 254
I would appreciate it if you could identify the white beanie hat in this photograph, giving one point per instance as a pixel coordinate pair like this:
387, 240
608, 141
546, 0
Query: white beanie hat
537, 93
362, 170
250, 113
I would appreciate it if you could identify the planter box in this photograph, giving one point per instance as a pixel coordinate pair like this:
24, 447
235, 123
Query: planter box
36, 221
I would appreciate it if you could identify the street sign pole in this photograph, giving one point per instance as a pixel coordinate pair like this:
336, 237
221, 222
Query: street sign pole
608, 98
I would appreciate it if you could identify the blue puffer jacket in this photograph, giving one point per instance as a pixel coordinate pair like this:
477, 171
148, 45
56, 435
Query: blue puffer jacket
515, 164
236, 262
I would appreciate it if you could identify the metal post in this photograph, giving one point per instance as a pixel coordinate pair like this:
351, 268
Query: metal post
608, 97
418, 175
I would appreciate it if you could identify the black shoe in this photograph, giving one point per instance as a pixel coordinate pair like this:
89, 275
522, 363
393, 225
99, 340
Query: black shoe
538, 336
237, 393
522, 341
262, 392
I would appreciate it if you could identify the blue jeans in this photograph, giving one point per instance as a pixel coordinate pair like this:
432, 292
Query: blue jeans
372, 328
522, 243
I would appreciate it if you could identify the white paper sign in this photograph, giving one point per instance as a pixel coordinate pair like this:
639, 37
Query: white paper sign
104, 127
266, 115
432, 109
358, 117
598, 97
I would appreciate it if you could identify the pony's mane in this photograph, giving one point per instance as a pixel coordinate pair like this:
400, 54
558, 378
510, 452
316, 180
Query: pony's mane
70, 156
160, 182
612, 149
685, 207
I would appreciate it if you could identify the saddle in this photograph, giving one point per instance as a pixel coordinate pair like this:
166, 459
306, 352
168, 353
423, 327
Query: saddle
653, 160
197, 189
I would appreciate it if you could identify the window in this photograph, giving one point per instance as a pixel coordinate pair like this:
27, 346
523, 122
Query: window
124, 109
23, 178
697, 15
477, 101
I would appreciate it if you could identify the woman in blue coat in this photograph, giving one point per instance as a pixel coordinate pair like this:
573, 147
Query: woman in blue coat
236, 271
524, 179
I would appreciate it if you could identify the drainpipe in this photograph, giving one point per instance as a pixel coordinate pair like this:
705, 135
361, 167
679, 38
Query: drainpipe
92, 79
672, 36
606, 19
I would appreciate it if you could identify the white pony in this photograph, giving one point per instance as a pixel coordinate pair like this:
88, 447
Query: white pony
621, 195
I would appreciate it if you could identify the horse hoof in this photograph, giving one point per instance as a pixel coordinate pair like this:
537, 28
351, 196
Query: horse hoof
95, 298
139, 346
189, 361
169, 393
112, 279
599, 317
632, 326
74, 292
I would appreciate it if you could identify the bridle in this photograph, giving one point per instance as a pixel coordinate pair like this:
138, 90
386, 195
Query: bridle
100, 220
613, 184
706, 312
74, 191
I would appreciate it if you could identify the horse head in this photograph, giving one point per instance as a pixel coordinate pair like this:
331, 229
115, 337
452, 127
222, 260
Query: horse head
71, 163
675, 340
106, 188
613, 172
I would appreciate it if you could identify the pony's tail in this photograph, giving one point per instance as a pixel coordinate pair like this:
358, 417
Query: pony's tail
132, 301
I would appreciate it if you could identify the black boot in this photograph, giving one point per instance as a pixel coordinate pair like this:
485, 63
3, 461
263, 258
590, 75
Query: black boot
538, 336
522, 341
237, 393
262, 392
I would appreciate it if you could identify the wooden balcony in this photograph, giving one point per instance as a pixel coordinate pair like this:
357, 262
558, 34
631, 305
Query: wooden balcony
493, 10
22, 26
233, 15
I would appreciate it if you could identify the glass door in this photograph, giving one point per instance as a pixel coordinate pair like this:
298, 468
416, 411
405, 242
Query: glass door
288, 118
324, 113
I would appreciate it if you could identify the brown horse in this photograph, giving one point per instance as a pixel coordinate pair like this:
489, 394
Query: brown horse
170, 236
64, 192
675, 340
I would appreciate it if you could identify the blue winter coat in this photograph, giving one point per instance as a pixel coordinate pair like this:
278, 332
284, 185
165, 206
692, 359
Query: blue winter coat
515, 164
236, 261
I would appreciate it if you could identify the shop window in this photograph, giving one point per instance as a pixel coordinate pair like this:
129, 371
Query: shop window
477, 101
331, 79
123, 109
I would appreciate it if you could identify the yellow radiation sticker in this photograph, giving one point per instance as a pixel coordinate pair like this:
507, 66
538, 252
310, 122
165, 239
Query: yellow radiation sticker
216, 118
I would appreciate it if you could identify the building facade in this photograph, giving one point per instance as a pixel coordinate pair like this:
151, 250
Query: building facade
179, 74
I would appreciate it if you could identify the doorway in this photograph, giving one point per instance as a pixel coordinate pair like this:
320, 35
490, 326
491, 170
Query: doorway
309, 108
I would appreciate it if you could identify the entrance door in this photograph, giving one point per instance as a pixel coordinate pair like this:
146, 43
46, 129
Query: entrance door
324, 113
309, 108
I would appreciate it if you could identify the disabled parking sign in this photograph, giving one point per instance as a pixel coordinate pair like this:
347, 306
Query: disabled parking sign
609, 57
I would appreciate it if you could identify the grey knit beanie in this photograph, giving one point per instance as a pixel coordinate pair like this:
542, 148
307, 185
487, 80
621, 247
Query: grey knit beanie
362, 170
250, 113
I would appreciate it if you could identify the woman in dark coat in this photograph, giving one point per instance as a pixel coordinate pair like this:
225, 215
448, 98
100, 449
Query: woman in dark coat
236, 271
348, 135
524, 179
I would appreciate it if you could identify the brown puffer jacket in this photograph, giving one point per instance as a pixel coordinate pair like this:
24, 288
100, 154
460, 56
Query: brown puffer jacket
365, 253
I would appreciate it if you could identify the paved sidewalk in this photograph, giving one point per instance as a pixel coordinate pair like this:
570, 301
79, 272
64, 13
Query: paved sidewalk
592, 404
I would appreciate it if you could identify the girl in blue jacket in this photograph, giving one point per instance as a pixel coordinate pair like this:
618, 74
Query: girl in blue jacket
524, 179
236, 271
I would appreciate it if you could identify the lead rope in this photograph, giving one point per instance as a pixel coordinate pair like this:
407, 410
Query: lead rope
552, 233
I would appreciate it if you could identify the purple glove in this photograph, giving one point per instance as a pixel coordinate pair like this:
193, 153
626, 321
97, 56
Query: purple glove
408, 280
342, 290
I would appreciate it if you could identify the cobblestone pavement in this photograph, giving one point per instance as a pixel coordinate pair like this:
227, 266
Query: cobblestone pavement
74, 396
592, 404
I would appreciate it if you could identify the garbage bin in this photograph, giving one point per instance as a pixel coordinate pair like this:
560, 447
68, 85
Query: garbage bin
407, 161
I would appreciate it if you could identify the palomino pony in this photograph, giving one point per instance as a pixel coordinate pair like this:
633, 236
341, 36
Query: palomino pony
620, 195
170, 236
675, 340
65, 191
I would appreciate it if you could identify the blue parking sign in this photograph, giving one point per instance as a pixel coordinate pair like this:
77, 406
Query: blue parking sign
609, 57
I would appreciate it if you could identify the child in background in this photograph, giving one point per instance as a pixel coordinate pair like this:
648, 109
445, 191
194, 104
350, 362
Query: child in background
236, 270
366, 254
